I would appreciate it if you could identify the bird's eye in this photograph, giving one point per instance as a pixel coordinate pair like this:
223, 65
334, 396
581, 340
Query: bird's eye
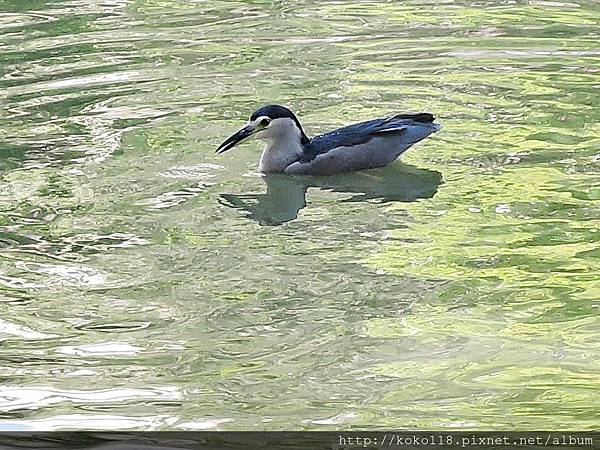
265, 122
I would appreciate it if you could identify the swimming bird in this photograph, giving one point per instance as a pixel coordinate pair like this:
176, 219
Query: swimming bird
364, 145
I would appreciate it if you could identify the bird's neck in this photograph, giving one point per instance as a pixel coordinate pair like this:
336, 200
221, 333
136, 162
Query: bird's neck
279, 154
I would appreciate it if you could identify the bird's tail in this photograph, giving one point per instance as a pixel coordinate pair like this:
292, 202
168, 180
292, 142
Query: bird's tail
422, 117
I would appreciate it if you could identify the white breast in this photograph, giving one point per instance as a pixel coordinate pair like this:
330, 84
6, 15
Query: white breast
278, 155
283, 145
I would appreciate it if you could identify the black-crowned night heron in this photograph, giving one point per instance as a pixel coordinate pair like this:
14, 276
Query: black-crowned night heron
365, 145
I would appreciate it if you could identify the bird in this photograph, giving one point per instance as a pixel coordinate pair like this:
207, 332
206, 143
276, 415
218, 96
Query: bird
360, 146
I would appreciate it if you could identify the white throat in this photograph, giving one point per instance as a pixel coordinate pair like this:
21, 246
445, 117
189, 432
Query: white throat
283, 145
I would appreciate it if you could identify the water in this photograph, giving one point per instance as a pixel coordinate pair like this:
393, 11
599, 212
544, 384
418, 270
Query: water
147, 283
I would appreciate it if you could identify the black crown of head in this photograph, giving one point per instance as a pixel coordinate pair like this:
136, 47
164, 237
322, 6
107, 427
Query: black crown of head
273, 112
279, 112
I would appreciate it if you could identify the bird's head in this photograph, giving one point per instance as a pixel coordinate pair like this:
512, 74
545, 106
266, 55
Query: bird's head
271, 122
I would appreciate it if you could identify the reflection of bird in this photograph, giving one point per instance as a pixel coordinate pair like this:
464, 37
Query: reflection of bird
286, 196
364, 145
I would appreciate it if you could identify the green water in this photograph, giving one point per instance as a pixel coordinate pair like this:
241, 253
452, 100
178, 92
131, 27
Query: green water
147, 283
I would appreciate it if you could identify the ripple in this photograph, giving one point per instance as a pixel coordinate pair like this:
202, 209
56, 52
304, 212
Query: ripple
86, 422
14, 20
197, 171
22, 331
109, 349
338, 419
174, 198
62, 275
19, 398
208, 424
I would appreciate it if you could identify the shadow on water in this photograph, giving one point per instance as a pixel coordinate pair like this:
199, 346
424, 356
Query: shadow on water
286, 195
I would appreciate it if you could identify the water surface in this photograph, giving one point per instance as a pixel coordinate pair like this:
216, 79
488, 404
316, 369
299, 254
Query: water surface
147, 283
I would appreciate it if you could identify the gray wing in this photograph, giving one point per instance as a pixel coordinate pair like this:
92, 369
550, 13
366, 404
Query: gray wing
361, 133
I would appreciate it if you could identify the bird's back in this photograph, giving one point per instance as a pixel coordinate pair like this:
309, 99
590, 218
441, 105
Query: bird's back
374, 143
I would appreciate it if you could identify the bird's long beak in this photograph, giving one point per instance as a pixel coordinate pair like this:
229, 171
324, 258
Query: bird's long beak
238, 137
